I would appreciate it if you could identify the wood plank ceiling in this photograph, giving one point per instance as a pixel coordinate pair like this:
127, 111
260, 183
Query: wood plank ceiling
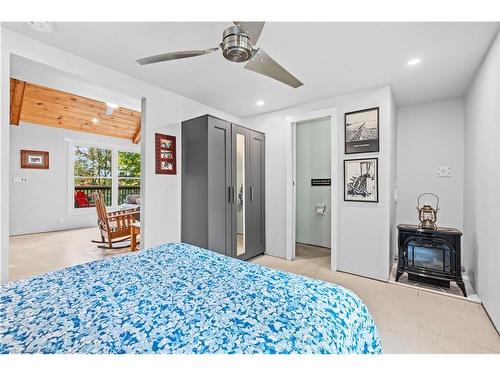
41, 105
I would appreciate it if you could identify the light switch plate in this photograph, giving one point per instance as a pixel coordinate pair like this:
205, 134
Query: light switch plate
21, 180
443, 171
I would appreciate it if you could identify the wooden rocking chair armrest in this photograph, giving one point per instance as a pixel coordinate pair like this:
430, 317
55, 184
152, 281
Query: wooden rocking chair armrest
122, 214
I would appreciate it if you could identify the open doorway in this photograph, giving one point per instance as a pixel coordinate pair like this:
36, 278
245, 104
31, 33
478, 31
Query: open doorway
75, 161
313, 209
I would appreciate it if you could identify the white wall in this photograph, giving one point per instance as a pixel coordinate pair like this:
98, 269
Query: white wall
161, 193
364, 228
40, 204
482, 180
393, 160
431, 135
313, 161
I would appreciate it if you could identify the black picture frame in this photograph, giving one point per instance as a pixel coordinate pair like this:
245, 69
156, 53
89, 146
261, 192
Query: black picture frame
362, 146
346, 198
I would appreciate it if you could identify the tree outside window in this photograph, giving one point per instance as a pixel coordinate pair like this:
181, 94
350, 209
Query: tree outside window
93, 173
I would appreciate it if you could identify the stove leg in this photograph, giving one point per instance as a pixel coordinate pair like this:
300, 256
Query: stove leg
461, 285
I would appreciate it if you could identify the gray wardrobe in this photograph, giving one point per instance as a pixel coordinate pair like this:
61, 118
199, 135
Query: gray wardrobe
223, 205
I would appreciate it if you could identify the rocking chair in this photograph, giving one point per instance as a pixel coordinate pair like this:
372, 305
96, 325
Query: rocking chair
114, 226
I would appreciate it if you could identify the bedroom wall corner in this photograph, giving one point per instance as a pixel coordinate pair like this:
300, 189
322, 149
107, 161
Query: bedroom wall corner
393, 183
482, 181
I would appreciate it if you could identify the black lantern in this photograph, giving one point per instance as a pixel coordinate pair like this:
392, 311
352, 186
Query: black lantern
427, 214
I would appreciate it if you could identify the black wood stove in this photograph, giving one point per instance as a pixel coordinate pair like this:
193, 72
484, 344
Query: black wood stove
430, 255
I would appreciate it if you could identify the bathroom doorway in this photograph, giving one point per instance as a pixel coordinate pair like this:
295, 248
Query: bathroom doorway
313, 209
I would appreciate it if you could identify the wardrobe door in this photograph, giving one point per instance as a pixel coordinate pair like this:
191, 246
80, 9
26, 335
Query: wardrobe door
239, 191
219, 183
255, 214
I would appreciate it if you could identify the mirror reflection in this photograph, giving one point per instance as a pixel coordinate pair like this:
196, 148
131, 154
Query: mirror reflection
240, 194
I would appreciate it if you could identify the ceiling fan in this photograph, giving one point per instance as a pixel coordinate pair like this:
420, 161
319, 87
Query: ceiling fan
238, 45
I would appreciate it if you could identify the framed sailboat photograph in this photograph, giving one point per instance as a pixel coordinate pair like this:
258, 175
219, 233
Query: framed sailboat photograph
362, 131
361, 180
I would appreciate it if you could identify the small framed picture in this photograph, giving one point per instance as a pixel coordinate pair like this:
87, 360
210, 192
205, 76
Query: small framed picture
361, 130
34, 159
167, 155
165, 150
166, 143
165, 165
361, 180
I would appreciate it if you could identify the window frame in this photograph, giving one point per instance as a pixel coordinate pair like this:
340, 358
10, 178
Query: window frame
72, 143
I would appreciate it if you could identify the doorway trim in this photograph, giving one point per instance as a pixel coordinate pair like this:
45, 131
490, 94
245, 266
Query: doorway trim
290, 194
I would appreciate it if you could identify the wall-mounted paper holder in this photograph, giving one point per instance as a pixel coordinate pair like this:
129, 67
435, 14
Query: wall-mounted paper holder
320, 209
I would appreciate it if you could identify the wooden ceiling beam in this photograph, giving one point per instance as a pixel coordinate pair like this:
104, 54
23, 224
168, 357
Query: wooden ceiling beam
137, 136
16, 100
41, 105
35, 109
87, 128
94, 111
64, 122
79, 101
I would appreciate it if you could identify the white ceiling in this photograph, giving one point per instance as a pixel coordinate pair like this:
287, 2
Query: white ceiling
330, 58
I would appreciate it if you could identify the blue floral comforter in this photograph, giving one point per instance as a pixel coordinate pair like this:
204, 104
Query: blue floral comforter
178, 298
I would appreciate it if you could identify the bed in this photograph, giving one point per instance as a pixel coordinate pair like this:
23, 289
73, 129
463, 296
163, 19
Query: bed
178, 298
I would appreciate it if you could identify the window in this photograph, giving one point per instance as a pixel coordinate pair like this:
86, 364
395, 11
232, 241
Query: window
113, 173
92, 174
129, 175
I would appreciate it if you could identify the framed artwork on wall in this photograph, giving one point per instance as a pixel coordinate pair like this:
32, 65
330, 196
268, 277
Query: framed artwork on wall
361, 180
361, 130
32, 159
165, 150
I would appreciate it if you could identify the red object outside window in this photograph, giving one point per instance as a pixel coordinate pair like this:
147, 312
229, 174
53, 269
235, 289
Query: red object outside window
81, 199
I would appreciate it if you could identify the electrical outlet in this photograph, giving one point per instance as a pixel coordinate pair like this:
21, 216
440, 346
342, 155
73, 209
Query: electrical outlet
443, 171
20, 180
61, 220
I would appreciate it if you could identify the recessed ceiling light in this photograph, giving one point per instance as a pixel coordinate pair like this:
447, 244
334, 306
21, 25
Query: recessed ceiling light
94, 120
43, 27
413, 62
260, 103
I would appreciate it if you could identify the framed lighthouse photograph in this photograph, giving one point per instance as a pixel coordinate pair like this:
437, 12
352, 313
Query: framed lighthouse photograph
361, 180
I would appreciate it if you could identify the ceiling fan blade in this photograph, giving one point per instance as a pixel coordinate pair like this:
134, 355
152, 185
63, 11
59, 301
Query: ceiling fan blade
252, 29
174, 56
263, 64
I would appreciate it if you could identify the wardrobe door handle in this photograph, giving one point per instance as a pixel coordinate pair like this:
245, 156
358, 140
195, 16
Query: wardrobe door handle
229, 194
251, 193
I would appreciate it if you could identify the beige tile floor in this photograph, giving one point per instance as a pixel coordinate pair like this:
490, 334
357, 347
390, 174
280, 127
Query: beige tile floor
409, 320
35, 254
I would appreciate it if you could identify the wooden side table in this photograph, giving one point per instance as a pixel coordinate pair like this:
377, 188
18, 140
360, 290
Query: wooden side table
135, 230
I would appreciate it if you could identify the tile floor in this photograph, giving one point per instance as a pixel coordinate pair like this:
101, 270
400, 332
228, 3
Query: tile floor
409, 320
35, 254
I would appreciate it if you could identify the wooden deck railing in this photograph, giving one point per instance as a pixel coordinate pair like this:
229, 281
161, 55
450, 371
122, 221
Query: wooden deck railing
105, 191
